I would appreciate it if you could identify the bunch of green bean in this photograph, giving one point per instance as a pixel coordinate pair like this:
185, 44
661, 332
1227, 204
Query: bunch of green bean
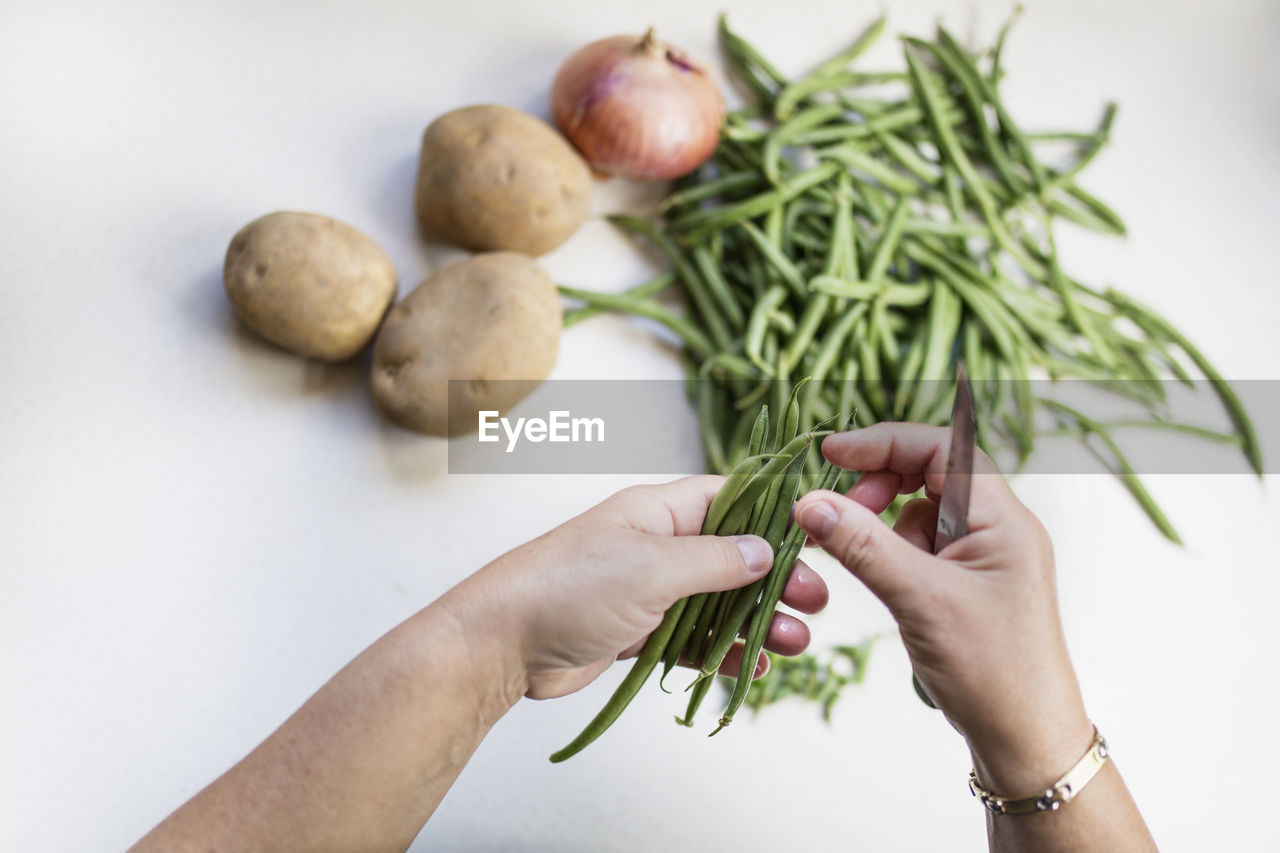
868, 229
756, 498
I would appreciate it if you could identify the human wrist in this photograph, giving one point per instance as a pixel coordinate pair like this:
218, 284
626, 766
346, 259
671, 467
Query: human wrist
1023, 759
486, 645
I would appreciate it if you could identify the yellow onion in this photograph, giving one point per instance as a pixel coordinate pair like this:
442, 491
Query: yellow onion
638, 107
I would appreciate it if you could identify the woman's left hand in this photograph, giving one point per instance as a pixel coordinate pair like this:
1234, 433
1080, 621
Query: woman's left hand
592, 590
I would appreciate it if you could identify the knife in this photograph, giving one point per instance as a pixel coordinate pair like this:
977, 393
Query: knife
953, 508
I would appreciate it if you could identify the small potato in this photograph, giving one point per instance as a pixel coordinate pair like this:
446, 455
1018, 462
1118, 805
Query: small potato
308, 283
491, 177
490, 317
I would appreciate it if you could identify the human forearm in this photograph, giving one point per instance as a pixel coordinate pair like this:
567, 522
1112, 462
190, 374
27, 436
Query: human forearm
367, 759
365, 762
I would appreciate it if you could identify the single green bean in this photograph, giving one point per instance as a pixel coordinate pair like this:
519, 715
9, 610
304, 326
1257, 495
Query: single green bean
743, 472
645, 289
1100, 138
1144, 316
998, 52
918, 225
696, 225
692, 336
743, 50
945, 313
1097, 208
885, 334
710, 413
1119, 466
710, 189
866, 164
841, 60
814, 313
1081, 216
908, 372
729, 306
1160, 426
905, 153
888, 242
770, 251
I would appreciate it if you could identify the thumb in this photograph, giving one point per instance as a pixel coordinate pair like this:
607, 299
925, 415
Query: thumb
712, 563
891, 567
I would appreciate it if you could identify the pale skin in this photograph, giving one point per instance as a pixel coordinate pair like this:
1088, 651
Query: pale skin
980, 622
364, 763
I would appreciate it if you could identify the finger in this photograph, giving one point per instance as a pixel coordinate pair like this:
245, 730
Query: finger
670, 509
876, 489
733, 662
787, 635
633, 649
693, 564
915, 449
805, 591
918, 523
911, 483
890, 567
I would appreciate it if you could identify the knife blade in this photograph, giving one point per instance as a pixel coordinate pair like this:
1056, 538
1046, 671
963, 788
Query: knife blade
953, 507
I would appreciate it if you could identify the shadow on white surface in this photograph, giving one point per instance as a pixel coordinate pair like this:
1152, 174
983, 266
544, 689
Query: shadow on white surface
409, 458
266, 366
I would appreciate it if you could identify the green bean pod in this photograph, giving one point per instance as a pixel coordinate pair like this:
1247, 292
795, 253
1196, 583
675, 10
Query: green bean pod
652, 287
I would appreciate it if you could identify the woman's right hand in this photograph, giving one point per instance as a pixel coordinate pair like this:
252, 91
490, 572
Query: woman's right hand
979, 620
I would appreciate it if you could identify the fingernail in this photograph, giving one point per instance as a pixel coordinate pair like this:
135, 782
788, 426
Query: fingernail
755, 552
818, 519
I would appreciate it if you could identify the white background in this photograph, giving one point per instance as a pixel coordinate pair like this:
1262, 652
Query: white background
197, 529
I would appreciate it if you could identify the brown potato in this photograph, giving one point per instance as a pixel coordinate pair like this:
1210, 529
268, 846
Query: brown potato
311, 284
491, 317
494, 178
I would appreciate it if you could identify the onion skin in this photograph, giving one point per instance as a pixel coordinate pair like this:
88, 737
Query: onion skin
638, 107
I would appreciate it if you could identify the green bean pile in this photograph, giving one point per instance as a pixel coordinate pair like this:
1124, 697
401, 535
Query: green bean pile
868, 229
854, 236
756, 498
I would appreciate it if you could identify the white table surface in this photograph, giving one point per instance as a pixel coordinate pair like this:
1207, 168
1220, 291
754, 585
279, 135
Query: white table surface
197, 529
